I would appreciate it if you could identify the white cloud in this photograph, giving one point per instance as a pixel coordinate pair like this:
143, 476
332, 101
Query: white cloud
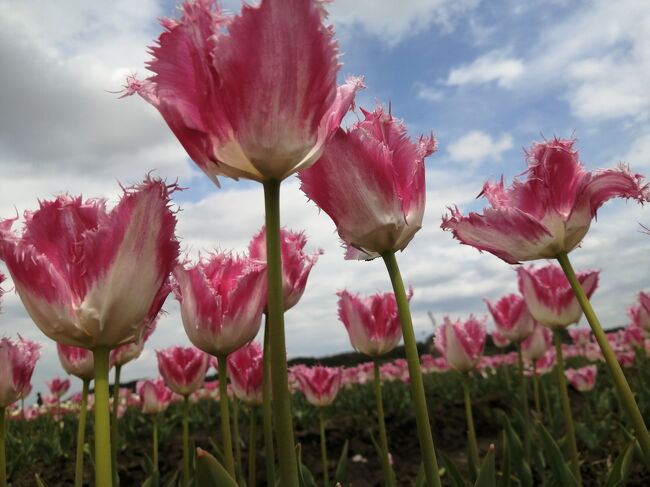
477, 147
429, 93
494, 66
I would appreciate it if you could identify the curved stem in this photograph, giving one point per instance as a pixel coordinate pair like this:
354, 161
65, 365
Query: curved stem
225, 416
186, 441
81, 436
615, 370
269, 452
566, 407
383, 437
3, 453
538, 406
154, 425
417, 387
524, 397
103, 470
471, 431
323, 448
236, 438
281, 398
116, 405
252, 447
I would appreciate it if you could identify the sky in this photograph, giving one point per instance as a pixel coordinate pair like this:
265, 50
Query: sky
488, 78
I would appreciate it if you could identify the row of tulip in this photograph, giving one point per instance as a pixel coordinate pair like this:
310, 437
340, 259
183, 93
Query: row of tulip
245, 103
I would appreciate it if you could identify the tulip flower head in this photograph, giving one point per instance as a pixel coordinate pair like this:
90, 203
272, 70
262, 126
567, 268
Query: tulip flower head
128, 352
76, 361
640, 313
372, 322
537, 343
499, 339
94, 284
222, 300
17, 362
549, 296
582, 379
461, 342
183, 368
370, 181
296, 264
511, 317
246, 372
58, 387
319, 384
239, 95
154, 395
548, 213
580, 336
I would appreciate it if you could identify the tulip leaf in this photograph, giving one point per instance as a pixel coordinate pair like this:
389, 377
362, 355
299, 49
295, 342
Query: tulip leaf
517, 454
172, 480
455, 478
39, 481
210, 472
306, 479
342, 466
621, 468
504, 481
487, 476
421, 479
559, 467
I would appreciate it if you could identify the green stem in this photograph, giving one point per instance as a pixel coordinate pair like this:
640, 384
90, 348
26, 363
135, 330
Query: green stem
154, 424
622, 386
524, 396
471, 431
269, 452
116, 404
3, 458
323, 448
186, 441
252, 447
566, 407
383, 437
281, 398
81, 436
538, 406
417, 387
550, 417
225, 416
103, 470
236, 438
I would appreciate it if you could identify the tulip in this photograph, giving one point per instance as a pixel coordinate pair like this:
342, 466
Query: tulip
2, 278
17, 362
640, 313
537, 344
370, 181
155, 397
58, 387
582, 379
75, 361
245, 372
499, 339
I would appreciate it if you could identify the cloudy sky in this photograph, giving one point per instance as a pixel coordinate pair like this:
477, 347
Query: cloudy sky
487, 77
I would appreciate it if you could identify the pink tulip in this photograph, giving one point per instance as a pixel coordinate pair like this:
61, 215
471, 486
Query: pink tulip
583, 379
58, 387
183, 368
222, 300
246, 372
319, 384
2, 278
252, 96
461, 342
548, 213
154, 395
370, 181
499, 339
511, 317
580, 336
372, 322
128, 352
633, 337
76, 361
536, 345
17, 362
95, 282
296, 264
549, 296
640, 313
430, 364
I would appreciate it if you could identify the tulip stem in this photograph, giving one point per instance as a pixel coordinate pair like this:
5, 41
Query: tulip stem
615, 370
524, 397
154, 425
269, 452
566, 407
186, 441
471, 431
236, 438
281, 398
538, 406
383, 437
81, 436
323, 448
417, 387
103, 470
3, 458
252, 449
116, 404
225, 416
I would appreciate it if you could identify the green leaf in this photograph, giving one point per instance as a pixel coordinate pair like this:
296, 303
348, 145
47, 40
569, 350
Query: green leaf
504, 481
621, 468
421, 479
487, 476
455, 478
210, 472
556, 460
172, 480
587, 436
340, 473
306, 479
39, 481
517, 454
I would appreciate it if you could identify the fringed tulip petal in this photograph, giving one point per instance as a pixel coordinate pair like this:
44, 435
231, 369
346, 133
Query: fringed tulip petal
511, 317
246, 373
461, 342
17, 362
183, 368
77, 361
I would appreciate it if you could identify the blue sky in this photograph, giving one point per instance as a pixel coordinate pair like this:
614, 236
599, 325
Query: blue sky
488, 77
